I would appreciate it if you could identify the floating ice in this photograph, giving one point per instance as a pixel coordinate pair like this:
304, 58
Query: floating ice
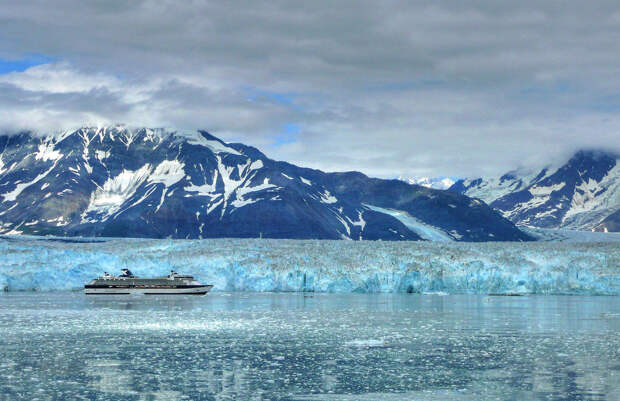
370, 343
320, 266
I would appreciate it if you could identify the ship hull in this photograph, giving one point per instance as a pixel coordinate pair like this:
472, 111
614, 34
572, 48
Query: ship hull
181, 290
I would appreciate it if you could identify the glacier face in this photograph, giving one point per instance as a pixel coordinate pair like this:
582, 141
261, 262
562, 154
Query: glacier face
320, 265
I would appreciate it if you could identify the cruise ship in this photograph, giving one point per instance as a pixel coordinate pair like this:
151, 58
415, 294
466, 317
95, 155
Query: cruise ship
127, 283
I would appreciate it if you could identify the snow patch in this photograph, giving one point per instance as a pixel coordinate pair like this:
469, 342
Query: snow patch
214, 205
47, 152
102, 154
430, 182
11, 196
196, 138
593, 201
257, 164
59, 221
205, 189
455, 234
546, 190
168, 172
109, 198
243, 191
359, 222
328, 198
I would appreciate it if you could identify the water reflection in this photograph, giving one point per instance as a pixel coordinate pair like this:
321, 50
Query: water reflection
291, 347
141, 303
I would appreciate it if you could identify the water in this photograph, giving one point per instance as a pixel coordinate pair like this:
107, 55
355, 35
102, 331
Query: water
238, 346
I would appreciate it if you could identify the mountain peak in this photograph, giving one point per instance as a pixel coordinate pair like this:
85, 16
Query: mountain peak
208, 136
583, 193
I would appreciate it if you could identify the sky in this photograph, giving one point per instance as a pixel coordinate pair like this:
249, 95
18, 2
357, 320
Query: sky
389, 88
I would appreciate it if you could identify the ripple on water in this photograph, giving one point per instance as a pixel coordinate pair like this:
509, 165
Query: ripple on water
287, 347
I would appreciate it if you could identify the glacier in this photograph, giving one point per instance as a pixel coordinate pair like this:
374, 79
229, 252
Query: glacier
48, 264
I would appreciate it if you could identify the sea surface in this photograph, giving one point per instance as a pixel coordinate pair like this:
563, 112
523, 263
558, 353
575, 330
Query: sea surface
295, 346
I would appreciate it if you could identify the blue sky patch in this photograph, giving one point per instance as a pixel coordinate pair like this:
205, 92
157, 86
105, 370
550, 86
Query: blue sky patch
288, 134
282, 98
19, 65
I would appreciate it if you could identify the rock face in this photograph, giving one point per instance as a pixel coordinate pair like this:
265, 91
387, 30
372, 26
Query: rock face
582, 194
121, 182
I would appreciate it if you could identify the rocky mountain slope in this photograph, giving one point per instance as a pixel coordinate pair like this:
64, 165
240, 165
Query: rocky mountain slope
581, 194
122, 182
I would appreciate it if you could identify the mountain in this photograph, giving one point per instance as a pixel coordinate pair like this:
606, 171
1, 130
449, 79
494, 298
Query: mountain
582, 193
610, 223
430, 182
140, 182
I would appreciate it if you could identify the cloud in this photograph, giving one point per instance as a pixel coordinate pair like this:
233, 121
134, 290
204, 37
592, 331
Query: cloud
58, 78
390, 88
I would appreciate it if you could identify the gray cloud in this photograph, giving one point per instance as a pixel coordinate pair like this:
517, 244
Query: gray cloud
389, 88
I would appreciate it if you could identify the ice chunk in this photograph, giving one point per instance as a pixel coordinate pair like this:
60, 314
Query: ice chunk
370, 343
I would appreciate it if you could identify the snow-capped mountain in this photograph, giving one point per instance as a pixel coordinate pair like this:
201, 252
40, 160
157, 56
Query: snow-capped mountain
430, 182
582, 194
122, 182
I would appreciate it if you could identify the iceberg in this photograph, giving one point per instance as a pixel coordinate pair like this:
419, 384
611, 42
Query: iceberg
49, 264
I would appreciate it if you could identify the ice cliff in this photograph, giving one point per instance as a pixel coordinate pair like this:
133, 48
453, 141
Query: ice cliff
29, 263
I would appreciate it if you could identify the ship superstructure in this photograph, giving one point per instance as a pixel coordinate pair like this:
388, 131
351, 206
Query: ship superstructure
127, 283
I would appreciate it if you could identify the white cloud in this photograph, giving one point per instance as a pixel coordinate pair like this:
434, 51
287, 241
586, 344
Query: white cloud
390, 88
58, 78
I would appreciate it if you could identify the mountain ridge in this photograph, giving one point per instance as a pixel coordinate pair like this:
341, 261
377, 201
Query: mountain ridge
582, 193
142, 182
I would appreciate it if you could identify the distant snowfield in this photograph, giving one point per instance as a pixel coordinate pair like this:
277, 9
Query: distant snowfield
430, 182
323, 266
565, 235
